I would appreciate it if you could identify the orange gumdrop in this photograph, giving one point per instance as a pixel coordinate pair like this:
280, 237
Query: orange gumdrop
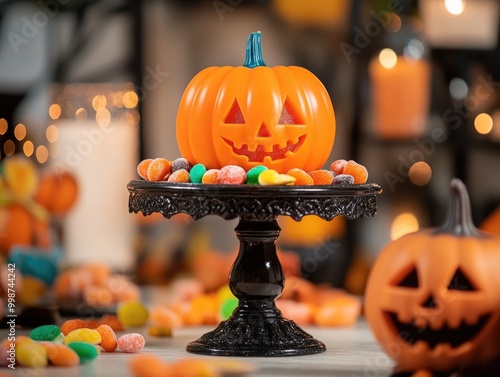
194, 367
207, 307
57, 192
357, 171
180, 176
158, 169
97, 296
301, 177
211, 177
112, 321
109, 341
142, 168
161, 316
299, 312
73, 324
337, 167
148, 365
341, 311
322, 177
61, 354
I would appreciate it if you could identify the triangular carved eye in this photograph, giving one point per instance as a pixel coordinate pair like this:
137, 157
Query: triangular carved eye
410, 280
459, 282
235, 116
289, 114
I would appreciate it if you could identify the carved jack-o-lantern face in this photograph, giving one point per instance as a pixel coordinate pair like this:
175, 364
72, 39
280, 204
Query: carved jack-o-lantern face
432, 296
252, 115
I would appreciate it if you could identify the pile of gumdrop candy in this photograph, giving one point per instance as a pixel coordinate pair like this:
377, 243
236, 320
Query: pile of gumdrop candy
341, 172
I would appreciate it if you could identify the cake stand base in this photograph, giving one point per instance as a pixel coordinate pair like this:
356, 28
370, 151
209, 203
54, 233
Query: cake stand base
257, 328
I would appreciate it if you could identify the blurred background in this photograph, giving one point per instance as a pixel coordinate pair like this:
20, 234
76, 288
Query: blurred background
88, 88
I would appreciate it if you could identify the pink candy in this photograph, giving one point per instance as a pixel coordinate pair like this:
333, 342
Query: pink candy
232, 175
132, 342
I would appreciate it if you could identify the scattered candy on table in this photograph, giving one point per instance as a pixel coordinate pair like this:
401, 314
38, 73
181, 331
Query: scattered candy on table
132, 314
130, 343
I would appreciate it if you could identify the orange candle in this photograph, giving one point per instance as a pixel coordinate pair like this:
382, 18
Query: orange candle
400, 95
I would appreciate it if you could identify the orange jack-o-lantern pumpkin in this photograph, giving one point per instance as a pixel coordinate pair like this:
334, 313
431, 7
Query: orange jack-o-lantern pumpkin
432, 296
281, 117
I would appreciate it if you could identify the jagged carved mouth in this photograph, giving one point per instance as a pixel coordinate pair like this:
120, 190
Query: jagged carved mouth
260, 153
455, 337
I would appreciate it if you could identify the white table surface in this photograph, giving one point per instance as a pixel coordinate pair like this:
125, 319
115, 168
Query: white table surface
351, 352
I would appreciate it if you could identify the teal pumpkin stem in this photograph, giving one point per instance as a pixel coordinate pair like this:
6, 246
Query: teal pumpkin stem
253, 56
459, 219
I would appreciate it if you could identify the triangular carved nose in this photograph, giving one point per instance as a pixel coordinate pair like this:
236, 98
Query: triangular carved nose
264, 131
429, 303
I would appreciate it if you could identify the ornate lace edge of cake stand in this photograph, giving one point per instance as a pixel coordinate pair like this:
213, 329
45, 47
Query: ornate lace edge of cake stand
261, 203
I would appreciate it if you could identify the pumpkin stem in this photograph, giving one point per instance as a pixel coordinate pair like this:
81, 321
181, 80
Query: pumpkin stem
253, 56
459, 218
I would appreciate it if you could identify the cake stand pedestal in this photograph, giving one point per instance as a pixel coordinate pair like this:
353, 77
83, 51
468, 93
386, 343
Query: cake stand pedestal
256, 327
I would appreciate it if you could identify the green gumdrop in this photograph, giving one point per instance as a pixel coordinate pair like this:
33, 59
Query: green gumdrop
228, 307
85, 351
196, 173
253, 174
45, 332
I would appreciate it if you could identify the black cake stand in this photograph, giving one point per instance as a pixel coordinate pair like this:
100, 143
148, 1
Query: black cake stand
256, 327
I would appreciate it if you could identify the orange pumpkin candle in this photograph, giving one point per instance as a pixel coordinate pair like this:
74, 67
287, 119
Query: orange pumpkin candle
250, 115
400, 95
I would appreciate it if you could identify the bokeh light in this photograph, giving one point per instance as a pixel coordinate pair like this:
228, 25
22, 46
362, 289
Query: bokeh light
3, 126
403, 224
458, 88
28, 148
54, 111
9, 148
20, 131
130, 100
52, 133
81, 114
103, 117
483, 123
455, 7
99, 102
42, 154
388, 58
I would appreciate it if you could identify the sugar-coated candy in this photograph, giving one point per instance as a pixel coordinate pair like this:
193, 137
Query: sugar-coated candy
271, 177
322, 177
299, 312
60, 354
148, 365
232, 175
132, 314
179, 164
83, 335
159, 331
85, 351
343, 179
109, 341
196, 173
358, 171
211, 177
142, 168
158, 169
31, 354
253, 174
132, 342
46, 332
301, 177
180, 176
337, 167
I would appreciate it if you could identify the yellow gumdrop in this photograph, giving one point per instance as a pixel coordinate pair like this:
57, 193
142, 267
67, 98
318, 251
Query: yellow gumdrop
271, 177
132, 314
160, 331
31, 354
83, 335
